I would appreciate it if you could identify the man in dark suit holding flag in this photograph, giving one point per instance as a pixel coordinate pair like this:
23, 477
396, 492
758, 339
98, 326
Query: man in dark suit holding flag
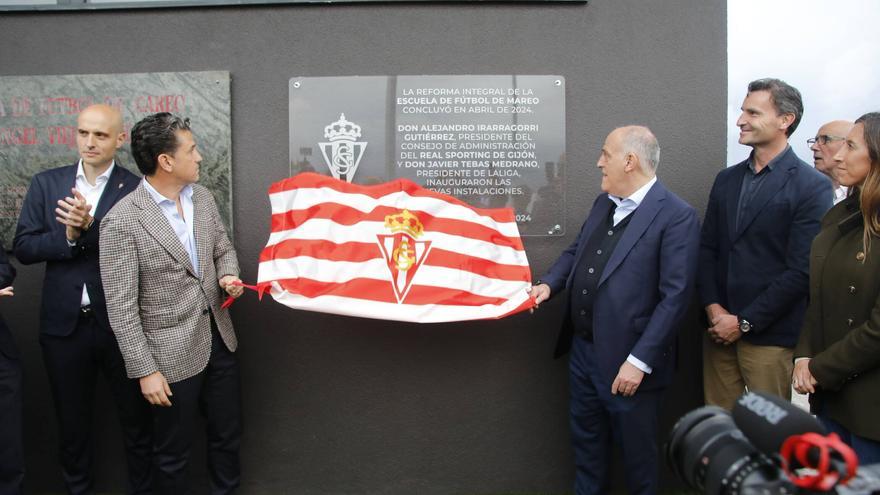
630, 275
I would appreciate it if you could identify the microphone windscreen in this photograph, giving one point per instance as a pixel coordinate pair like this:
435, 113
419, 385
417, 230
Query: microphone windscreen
767, 420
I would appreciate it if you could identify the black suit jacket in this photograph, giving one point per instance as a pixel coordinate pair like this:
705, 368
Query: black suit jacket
7, 273
759, 272
39, 237
841, 332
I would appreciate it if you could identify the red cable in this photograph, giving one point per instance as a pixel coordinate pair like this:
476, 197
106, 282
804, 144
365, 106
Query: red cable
825, 478
260, 289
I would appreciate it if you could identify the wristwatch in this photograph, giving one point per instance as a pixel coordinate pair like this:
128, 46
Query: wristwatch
744, 325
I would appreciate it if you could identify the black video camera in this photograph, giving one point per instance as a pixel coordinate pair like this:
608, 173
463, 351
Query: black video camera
760, 449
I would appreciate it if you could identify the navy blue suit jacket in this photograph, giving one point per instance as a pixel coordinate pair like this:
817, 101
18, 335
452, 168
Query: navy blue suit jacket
645, 288
760, 271
7, 273
39, 237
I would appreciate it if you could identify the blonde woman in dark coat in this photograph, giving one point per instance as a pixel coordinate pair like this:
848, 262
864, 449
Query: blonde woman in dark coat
837, 358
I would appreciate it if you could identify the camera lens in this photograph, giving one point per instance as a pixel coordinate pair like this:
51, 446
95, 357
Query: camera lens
708, 452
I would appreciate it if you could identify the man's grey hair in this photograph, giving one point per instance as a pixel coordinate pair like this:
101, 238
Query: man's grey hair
641, 141
785, 97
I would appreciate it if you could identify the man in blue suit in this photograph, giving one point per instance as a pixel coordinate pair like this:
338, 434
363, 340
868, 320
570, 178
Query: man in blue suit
754, 255
59, 226
630, 276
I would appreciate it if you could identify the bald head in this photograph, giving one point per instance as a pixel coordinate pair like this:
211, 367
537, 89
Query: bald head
99, 134
628, 160
641, 141
829, 139
836, 127
106, 113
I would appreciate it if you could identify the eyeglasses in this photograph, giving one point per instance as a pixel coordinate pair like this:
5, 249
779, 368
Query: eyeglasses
824, 139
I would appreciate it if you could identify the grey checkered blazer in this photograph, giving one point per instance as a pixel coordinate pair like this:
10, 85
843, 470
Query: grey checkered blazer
156, 304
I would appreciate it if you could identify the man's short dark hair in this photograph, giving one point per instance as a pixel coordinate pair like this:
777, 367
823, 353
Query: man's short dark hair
785, 97
154, 135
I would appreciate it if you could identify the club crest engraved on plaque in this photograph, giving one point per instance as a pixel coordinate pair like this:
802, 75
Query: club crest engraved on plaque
403, 254
342, 151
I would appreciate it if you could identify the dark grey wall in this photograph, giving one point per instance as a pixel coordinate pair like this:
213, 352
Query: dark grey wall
347, 406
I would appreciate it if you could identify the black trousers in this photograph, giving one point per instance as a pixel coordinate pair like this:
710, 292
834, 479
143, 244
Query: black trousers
11, 452
216, 394
73, 363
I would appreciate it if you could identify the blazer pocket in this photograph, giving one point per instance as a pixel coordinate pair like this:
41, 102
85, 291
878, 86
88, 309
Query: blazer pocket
158, 319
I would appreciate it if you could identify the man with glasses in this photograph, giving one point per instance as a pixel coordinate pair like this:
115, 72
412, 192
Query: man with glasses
828, 141
754, 252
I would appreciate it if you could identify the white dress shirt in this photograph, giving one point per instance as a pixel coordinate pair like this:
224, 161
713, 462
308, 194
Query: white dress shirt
840, 194
92, 193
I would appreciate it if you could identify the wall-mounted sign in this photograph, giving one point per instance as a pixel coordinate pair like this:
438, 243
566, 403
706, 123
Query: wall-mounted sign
38, 126
493, 141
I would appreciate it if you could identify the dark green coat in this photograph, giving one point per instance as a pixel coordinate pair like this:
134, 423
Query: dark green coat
841, 331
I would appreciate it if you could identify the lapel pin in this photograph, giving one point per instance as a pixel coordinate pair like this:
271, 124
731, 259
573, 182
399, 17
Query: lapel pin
120, 185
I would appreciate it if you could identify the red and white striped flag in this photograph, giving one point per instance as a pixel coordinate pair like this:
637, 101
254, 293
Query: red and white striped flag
393, 251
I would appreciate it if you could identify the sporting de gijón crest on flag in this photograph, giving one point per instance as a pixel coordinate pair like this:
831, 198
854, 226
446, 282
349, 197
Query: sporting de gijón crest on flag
391, 251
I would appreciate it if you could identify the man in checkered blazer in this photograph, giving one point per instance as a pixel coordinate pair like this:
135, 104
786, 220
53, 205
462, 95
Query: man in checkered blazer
167, 265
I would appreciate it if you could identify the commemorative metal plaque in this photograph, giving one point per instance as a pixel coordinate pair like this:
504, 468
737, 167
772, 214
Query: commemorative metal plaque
492, 141
38, 126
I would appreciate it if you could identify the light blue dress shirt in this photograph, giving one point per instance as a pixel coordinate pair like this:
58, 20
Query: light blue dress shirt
182, 226
627, 205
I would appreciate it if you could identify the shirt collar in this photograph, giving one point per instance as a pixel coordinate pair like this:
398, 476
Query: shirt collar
636, 197
80, 173
186, 192
772, 163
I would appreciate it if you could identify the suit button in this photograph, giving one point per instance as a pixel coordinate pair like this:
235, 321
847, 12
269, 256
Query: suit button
849, 321
610, 232
583, 312
598, 251
584, 292
852, 289
590, 270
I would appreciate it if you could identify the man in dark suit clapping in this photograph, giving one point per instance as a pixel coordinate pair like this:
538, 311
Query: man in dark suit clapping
59, 226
